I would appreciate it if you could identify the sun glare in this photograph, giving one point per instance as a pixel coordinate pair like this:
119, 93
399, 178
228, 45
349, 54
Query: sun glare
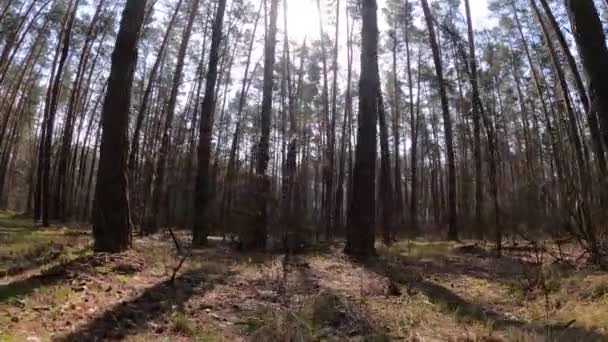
302, 20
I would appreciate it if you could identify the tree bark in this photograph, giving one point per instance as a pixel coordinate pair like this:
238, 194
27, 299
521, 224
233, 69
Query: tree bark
158, 188
591, 43
447, 123
62, 183
256, 239
134, 151
387, 205
111, 218
246, 82
348, 108
561, 78
327, 165
362, 216
398, 207
52, 110
203, 182
413, 124
538, 86
476, 123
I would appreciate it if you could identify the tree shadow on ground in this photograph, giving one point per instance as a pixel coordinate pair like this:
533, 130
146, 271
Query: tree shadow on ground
11, 225
33, 258
27, 247
394, 269
505, 270
516, 268
56, 274
13, 231
131, 317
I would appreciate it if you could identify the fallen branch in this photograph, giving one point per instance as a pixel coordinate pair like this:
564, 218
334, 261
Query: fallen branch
178, 267
178, 248
175, 241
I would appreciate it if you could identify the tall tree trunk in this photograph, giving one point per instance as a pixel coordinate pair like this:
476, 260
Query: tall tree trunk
246, 82
203, 181
111, 218
362, 216
158, 189
327, 122
332, 129
348, 108
592, 119
52, 110
477, 108
256, 239
413, 124
447, 123
561, 78
62, 189
538, 87
189, 181
396, 120
387, 205
591, 43
289, 181
134, 151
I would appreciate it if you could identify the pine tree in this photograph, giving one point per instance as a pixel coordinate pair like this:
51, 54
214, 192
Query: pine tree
111, 216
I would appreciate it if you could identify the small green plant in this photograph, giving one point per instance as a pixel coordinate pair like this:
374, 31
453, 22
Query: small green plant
252, 324
10, 293
122, 279
54, 294
423, 249
599, 291
8, 338
103, 269
183, 325
553, 285
205, 335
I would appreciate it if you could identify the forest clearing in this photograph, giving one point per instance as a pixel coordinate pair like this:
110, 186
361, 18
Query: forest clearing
303, 170
55, 288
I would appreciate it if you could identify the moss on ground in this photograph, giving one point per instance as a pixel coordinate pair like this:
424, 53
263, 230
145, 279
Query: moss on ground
422, 249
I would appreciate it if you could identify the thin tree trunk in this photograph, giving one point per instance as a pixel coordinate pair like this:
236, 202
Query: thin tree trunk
396, 120
447, 122
348, 108
328, 156
476, 124
201, 198
539, 91
134, 151
62, 190
413, 125
574, 130
257, 238
387, 204
158, 188
54, 99
231, 170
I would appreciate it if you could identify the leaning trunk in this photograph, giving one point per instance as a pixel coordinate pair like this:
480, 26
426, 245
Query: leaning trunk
111, 218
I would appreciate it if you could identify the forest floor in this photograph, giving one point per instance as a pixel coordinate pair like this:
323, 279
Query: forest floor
53, 287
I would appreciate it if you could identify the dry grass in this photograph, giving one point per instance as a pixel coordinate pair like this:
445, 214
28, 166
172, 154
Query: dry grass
415, 291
